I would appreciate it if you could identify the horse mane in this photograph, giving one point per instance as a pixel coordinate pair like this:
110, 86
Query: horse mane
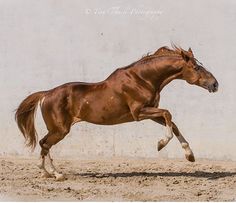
166, 51
162, 51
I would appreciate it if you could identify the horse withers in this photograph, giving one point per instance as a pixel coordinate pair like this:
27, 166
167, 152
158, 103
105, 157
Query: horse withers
131, 93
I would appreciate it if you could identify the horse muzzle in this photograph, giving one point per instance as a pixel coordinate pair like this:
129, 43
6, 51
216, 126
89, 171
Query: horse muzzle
213, 87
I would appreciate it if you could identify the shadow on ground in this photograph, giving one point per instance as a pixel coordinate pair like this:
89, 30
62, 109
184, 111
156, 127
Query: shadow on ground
199, 174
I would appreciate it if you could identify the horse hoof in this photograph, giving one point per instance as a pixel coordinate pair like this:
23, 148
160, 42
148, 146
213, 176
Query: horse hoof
59, 177
46, 175
190, 157
160, 145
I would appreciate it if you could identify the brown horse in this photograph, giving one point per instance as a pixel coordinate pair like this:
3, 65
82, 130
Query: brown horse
129, 94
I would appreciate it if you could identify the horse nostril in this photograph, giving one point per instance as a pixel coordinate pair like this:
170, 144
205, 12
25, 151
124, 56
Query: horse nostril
215, 86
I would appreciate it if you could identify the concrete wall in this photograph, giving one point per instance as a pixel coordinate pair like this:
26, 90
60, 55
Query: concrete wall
46, 43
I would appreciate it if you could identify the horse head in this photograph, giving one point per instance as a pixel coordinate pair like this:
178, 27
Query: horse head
194, 72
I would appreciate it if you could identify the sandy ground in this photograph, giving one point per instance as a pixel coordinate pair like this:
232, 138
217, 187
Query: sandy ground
120, 179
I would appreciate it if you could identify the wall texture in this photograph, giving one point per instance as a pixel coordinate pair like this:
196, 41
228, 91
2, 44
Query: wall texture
46, 43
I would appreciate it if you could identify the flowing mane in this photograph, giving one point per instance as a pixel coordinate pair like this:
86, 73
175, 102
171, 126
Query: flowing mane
163, 51
166, 51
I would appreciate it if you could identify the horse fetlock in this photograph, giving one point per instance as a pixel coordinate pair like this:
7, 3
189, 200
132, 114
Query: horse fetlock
52, 171
45, 174
59, 176
161, 144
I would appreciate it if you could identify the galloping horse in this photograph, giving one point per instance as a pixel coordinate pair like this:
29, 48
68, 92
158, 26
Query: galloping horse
131, 93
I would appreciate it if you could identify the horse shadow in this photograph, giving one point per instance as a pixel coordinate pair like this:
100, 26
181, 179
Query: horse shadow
196, 174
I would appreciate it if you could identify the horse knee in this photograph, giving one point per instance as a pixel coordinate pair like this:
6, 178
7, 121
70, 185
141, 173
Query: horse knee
167, 114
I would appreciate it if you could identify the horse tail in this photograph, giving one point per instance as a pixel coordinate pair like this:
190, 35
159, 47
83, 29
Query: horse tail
25, 116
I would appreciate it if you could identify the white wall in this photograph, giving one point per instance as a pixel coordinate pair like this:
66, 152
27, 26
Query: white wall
46, 43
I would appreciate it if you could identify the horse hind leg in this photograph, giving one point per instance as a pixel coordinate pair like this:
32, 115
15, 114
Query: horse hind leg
59, 176
41, 166
52, 171
47, 142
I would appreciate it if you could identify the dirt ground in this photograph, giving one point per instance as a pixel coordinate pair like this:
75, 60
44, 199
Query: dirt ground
120, 179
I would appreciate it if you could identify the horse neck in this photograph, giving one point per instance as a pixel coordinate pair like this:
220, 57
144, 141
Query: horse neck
174, 74
161, 72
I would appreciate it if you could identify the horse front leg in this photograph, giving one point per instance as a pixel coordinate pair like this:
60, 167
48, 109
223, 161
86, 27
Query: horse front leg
185, 145
155, 113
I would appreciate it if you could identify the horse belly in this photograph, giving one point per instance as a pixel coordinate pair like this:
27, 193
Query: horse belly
105, 110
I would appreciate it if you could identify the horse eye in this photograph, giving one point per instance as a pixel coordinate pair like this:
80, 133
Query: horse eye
196, 68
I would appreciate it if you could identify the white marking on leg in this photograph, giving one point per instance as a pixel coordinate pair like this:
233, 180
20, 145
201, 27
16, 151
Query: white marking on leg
187, 149
169, 135
188, 152
41, 165
169, 132
59, 176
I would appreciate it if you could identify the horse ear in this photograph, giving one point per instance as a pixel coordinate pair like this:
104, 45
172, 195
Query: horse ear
185, 56
190, 50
